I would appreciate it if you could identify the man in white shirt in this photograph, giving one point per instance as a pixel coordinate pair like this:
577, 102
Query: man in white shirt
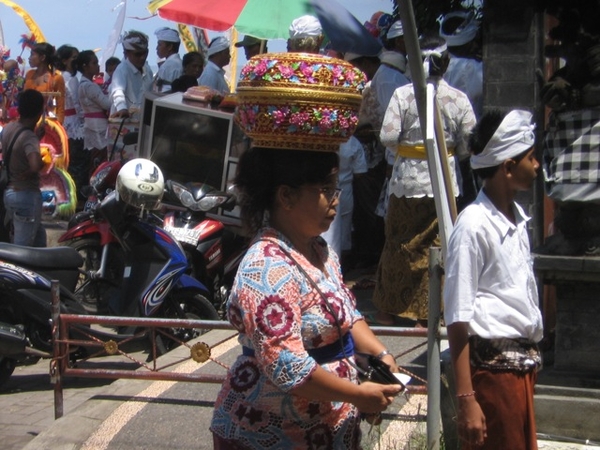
490, 294
132, 78
219, 56
167, 48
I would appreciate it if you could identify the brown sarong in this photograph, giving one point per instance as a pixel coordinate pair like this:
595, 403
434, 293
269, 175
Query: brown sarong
506, 399
402, 279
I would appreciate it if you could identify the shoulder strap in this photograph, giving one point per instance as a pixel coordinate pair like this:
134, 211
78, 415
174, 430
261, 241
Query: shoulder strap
6, 161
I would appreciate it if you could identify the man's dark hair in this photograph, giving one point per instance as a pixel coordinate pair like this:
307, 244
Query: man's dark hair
481, 135
31, 104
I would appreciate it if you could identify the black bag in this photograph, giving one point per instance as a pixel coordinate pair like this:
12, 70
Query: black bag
379, 372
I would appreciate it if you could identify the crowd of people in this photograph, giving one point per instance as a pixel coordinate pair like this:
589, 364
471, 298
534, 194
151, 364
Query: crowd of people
315, 214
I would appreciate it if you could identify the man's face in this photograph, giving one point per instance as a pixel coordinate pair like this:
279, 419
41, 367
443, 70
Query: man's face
137, 57
223, 58
163, 49
252, 50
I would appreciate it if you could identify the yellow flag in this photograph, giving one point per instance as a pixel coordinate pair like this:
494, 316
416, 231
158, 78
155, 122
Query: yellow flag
33, 27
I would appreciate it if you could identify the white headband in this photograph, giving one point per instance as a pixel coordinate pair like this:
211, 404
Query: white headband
513, 136
135, 42
427, 54
167, 35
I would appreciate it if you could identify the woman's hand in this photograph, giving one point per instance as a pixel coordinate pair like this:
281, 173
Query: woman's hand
471, 421
374, 397
390, 361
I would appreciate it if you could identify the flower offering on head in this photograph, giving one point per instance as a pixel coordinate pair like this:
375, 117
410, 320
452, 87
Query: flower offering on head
299, 101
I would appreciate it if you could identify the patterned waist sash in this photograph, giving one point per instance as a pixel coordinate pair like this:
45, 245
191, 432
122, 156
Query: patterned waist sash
503, 354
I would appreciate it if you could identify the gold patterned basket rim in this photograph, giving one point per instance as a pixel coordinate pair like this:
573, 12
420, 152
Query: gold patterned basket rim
298, 96
298, 143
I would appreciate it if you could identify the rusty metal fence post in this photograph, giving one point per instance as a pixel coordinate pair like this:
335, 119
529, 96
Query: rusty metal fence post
55, 371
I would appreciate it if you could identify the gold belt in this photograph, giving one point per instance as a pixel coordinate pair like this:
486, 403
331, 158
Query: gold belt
416, 151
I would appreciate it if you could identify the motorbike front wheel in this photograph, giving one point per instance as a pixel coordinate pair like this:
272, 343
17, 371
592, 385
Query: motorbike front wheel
189, 305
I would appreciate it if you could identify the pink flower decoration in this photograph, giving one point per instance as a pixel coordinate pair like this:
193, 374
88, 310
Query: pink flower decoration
261, 68
336, 71
286, 71
299, 118
280, 116
306, 70
325, 123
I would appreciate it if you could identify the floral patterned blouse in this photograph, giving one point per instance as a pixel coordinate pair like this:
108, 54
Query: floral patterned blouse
280, 315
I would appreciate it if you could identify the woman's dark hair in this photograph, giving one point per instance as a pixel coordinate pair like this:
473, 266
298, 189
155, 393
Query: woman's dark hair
31, 104
481, 135
188, 58
83, 59
262, 170
64, 52
437, 64
48, 51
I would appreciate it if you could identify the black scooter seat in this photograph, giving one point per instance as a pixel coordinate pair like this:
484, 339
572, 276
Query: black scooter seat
42, 257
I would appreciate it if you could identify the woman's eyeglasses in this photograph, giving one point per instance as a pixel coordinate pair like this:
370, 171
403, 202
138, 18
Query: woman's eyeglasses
330, 193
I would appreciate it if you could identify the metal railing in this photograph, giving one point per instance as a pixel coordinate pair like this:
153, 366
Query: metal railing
71, 333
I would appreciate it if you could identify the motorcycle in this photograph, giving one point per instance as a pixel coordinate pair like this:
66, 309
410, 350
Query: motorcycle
25, 309
213, 249
154, 282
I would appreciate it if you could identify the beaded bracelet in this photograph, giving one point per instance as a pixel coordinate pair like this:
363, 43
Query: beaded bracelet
468, 394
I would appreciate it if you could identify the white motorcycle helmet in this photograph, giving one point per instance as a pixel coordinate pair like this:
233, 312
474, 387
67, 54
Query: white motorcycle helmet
140, 183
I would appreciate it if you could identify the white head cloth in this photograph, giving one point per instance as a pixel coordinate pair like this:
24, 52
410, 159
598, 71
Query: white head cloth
217, 45
513, 136
305, 26
465, 32
395, 30
428, 53
167, 35
135, 41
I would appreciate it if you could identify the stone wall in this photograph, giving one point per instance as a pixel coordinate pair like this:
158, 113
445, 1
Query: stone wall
513, 38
